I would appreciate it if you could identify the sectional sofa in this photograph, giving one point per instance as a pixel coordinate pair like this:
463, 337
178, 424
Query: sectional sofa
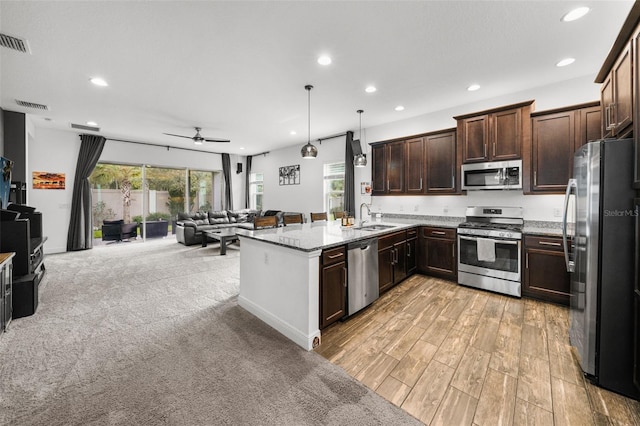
189, 226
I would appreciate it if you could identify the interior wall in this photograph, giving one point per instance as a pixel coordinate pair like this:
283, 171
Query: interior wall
536, 207
57, 151
308, 196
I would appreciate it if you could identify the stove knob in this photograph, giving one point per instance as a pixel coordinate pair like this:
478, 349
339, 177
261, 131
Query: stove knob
501, 234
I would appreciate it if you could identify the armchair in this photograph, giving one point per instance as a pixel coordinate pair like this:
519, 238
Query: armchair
117, 230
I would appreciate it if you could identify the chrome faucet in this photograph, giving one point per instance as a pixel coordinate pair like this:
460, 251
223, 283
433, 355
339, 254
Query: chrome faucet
362, 221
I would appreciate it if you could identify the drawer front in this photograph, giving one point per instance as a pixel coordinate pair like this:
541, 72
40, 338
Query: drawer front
391, 239
412, 233
543, 243
334, 255
446, 233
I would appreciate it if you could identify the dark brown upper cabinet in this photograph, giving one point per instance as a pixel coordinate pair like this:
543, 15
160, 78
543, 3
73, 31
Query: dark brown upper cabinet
440, 162
415, 167
616, 97
494, 135
387, 168
555, 136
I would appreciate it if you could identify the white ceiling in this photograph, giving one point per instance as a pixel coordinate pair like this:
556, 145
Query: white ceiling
238, 69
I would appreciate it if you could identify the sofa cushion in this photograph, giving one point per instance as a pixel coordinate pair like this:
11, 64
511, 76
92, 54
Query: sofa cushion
216, 217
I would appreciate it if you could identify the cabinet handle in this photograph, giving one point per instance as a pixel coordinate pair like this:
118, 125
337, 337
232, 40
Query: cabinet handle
344, 274
438, 233
535, 178
388, 185
494, 149
420, 184
484, 152
453, 251
408, 250
526, 261
453, 180
335, 256
549, 243
392, 257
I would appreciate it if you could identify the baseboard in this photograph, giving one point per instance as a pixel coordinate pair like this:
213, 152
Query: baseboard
292, 333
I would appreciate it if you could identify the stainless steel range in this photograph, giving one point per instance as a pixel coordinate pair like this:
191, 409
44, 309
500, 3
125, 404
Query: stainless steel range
489, 249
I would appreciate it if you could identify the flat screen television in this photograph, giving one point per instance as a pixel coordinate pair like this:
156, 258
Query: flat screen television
5, 181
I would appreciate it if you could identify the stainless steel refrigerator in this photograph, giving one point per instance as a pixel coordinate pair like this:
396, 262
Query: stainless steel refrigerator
599, 221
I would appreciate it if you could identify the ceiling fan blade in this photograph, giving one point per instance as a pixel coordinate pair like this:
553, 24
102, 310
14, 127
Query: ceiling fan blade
217, 140
180, 136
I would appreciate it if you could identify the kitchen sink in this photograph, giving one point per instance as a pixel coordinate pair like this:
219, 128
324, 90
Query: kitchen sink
375, 227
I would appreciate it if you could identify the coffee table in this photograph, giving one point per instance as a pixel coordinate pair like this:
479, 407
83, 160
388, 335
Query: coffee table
224, 235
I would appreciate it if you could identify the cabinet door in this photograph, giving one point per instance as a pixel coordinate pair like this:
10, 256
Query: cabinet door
333, 293
395, 167
546, 276
606, 100
475, 136
411, 256
588, 121
378, 169
622, 93
440, 257
506, 139
400, 266
415, 165
552, 143
385, 268
441, 163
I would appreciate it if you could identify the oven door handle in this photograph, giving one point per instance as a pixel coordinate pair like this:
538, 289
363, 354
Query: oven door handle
497, 240
571, 185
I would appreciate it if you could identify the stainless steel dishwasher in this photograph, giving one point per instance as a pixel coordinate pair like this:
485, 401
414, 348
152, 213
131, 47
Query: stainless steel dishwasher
362, 286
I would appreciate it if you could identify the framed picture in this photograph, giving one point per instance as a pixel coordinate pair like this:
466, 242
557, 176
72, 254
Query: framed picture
47, 180
365, 187
289, 175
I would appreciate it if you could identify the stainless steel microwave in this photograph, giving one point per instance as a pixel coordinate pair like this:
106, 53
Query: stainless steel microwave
492, 175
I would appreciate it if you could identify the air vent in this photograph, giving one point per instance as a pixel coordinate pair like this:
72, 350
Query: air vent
14, 43
83, 127
32, 105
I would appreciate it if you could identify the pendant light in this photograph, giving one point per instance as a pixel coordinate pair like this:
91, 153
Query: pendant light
309, 152
360, 160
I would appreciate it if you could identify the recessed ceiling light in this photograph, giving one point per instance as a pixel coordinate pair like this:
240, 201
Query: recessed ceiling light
565, 62
293, 132
324, 60
370, 89
91, 123
99, 81
242, 148
575, 14
473, 87
399, 108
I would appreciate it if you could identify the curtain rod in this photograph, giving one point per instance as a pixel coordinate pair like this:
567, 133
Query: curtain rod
161, 146
331, 137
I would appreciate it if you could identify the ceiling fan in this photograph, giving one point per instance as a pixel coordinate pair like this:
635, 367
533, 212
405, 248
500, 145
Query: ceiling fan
198, 139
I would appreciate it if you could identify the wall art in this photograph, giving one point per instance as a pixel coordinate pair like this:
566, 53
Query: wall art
47, 180
365, 188
289, 175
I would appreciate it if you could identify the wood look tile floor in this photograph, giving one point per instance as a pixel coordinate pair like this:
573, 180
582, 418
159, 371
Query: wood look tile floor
452, 355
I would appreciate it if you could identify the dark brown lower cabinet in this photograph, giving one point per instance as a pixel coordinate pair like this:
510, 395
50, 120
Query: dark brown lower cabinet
392, 263
437, 252
412, 246
545, 275
333, 286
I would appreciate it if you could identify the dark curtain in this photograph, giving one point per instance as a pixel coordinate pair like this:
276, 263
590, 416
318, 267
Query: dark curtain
226, 171
349, 184
247, 200
80, 235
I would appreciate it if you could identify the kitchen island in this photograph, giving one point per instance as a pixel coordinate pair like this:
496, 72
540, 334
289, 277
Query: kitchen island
279, 273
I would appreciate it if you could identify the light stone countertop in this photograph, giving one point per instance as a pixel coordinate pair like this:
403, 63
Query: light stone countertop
324, 235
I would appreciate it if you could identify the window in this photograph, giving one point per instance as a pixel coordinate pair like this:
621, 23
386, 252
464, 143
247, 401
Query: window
334, 188
255, 191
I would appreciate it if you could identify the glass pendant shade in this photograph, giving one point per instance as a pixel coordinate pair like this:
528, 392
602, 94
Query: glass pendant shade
360, 160
309, 151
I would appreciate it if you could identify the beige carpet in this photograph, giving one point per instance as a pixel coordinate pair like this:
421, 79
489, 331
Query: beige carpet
147, 334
